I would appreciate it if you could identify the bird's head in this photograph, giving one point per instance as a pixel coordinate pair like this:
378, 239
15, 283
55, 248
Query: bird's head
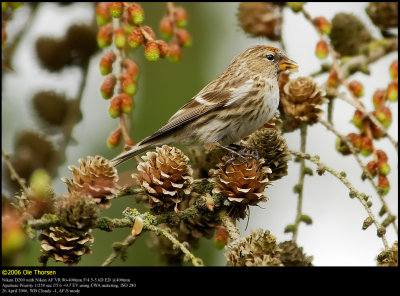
267, 60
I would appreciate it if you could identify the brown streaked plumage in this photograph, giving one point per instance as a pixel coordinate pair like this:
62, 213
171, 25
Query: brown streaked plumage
235, 104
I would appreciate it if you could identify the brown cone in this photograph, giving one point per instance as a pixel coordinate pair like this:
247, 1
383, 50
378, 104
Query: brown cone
77, 212
53, 54
301, 99
165, 175
384, 14
292, 255
271, 146
52, 108
261, 19
33, 150
257, 249
65, 246
242, 184
349, 34
96, 177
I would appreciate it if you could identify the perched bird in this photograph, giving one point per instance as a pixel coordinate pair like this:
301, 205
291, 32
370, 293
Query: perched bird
234, 105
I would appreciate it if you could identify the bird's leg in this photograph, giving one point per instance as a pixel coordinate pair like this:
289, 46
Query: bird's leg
236, 146
242, 150
228, 162
234, 153
239, 151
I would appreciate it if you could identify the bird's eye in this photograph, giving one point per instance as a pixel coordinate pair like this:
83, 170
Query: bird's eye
270, 57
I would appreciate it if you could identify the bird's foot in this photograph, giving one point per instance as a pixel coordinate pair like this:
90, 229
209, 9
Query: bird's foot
238, 151
246, 151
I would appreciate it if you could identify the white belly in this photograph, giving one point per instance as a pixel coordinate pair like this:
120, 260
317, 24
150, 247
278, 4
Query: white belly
246, 126
271, 103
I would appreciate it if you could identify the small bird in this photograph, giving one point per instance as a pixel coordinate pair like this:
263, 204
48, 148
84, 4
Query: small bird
231, 107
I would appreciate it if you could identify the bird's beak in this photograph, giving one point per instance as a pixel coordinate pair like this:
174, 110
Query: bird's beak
286, 64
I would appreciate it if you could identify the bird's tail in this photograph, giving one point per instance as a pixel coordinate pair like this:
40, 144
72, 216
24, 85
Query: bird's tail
130, 153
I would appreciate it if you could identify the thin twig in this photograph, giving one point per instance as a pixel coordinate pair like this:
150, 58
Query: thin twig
330, 110
13, 172
10, 48
124, 128
300, 185
362, 197
119, 57
230, 226
150, 223
46, 221
109, 224
370, 116
123, 118
171, 16
119, 250
343, 73
365, 171
167, 234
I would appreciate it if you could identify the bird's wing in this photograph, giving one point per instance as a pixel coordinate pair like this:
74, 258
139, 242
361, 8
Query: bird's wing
196, 107
204, 102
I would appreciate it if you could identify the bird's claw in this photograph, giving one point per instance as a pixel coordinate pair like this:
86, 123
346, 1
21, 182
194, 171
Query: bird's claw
238, 151
229, 161
246, 151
